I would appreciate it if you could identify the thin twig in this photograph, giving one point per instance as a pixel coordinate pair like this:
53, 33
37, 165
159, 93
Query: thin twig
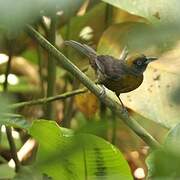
13, 148
8, 129
49, 99
40, 70
108, 100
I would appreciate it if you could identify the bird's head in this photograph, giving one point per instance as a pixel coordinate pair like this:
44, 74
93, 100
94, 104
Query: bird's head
138, 63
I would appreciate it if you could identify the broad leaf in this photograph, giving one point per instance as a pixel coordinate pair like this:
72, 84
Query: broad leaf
28, 173
14, 15
6, 172
82, 156
164, 163
157, 98
161, 10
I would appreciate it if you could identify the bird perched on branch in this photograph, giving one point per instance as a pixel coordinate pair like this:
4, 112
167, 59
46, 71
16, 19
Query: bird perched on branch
119, 75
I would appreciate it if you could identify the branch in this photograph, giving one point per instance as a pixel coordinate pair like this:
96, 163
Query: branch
66, 64
49, 99
51, 68
8, 129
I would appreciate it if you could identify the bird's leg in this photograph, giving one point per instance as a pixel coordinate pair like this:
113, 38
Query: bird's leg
123, 107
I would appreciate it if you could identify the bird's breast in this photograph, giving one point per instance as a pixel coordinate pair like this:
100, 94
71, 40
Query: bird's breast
124, 84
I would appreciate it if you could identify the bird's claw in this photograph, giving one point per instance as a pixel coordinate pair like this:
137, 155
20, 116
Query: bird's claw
124, 111
103, 92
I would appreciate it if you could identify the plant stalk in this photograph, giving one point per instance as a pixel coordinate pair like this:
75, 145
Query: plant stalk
51, 79
8, 129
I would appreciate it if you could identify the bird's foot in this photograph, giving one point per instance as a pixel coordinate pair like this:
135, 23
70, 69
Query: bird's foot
103, 92
124, 110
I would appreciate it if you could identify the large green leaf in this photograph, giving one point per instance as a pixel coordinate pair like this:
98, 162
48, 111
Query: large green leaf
82, 156
157, 98
6, 172
164, 163
155, 11
138, 37
16, 14
28, 173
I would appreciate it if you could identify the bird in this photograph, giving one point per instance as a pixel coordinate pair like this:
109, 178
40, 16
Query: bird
120, 75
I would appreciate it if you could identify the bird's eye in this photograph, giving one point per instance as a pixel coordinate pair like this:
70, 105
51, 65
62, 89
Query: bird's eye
139, 63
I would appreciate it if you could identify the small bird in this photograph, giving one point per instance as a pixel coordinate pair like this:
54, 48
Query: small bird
118, 75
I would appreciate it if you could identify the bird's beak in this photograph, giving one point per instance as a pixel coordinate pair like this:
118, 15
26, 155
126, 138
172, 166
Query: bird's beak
150, 59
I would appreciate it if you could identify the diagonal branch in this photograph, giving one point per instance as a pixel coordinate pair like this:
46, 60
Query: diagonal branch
66, 64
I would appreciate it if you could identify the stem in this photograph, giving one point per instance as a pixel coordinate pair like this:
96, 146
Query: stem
8, 129
49, 99
40, 66
51, 79
13, 148
104, 119
108, 100
114, 127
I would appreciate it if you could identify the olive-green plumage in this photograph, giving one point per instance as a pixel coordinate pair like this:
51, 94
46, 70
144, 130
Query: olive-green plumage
119, 75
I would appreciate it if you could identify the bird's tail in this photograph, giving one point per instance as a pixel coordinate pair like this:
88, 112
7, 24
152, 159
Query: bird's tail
85, 49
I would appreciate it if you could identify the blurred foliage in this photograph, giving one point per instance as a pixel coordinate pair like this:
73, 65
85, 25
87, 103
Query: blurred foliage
77, 150
6, 172
92, 157
85, 29
162, 10
164, 163
11, 12
90, 108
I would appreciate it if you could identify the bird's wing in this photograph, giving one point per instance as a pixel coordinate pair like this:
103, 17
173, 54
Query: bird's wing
107, 65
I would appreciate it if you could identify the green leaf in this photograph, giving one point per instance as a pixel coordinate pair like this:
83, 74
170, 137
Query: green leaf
172, 140
14, 15
28, 173
117, 36
158, 96
15, 121
82, 156
8, 118
6, 172
2, 160
161, 10
164, 163
138, 37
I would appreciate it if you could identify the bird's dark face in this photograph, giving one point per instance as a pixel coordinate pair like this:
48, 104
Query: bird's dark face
138, 63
